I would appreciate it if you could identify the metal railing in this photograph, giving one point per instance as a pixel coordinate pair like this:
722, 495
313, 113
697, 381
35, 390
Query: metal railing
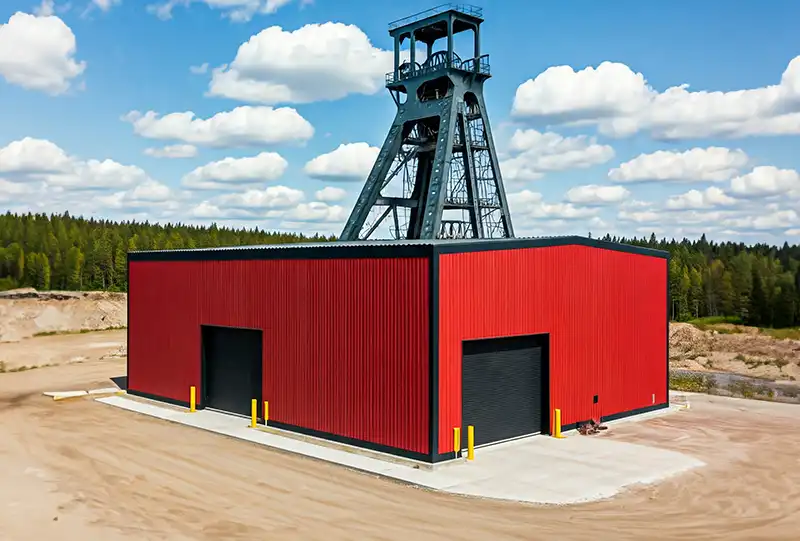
466, 9
482, 63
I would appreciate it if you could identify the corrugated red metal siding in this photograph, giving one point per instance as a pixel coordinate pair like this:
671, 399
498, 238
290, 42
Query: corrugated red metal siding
605, 311
345, 340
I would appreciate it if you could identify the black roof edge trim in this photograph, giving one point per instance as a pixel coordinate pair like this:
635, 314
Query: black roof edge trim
371, 251
514, 244
315, 252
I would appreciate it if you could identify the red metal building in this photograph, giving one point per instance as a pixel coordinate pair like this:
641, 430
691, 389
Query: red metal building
391, 345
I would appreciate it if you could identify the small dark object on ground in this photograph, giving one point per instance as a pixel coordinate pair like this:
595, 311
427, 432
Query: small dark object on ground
591, 427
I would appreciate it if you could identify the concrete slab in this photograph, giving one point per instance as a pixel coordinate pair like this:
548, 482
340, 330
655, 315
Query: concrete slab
61, 395
104, 390
539, 470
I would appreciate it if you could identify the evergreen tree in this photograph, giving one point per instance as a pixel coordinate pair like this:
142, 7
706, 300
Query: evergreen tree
44, 273
121, 268
57, 279
758, 301
16, 261
696, 292
785, 303
74, 268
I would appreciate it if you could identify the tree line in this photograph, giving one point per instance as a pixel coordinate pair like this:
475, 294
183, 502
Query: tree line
758, 284
62, 252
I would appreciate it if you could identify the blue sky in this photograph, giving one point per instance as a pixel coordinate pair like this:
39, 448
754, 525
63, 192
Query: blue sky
594, 131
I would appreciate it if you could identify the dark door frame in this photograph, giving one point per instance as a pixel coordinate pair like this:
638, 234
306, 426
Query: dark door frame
202, 392
538, 340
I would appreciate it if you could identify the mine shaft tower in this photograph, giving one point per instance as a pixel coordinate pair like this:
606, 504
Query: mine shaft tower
437, 175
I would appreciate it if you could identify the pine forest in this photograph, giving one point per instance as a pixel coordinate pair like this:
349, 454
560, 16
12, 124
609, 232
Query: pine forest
756, 284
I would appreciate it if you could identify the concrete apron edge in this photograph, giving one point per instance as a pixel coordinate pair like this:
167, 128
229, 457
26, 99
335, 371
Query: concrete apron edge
322, 442
271, 447
387, 459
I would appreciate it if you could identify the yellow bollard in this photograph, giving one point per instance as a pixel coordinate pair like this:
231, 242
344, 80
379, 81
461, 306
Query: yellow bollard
266, 412
470, 442
254, 414
557, 423
457, 440
192, 399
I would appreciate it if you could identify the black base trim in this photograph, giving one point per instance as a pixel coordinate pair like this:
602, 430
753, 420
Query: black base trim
413, 455
442, 457
621, 415
403, 453
164, 399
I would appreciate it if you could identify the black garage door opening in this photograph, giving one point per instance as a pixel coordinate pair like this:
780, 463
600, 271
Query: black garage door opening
504, 384
232, 369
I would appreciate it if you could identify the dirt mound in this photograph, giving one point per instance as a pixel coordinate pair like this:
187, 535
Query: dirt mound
684, 338
734, 348
27, 312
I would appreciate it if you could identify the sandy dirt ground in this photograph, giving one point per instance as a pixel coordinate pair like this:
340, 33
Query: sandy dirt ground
81, 470
44, 351
745, 351
26, 312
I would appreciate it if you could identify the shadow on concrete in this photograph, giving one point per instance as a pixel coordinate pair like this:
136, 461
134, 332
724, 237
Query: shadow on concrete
121, 382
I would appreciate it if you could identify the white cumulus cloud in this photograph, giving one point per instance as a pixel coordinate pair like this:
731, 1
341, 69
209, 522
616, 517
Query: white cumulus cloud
592, 194
766, 181
316, 211
42, 161
37, 175
696, 199
535, 153
640, 216
241, 127
231, 172
281, 204
348, 162
315, 62
172, 151
621, 102
272, 197
330, 194
777, 220
147, 195
30, 155
529, 204
96, 174
713, 164
38, 53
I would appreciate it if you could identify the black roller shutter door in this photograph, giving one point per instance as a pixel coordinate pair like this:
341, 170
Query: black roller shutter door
502, 383
233, 367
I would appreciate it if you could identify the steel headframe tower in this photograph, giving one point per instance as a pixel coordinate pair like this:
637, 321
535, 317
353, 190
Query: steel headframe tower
437, 174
